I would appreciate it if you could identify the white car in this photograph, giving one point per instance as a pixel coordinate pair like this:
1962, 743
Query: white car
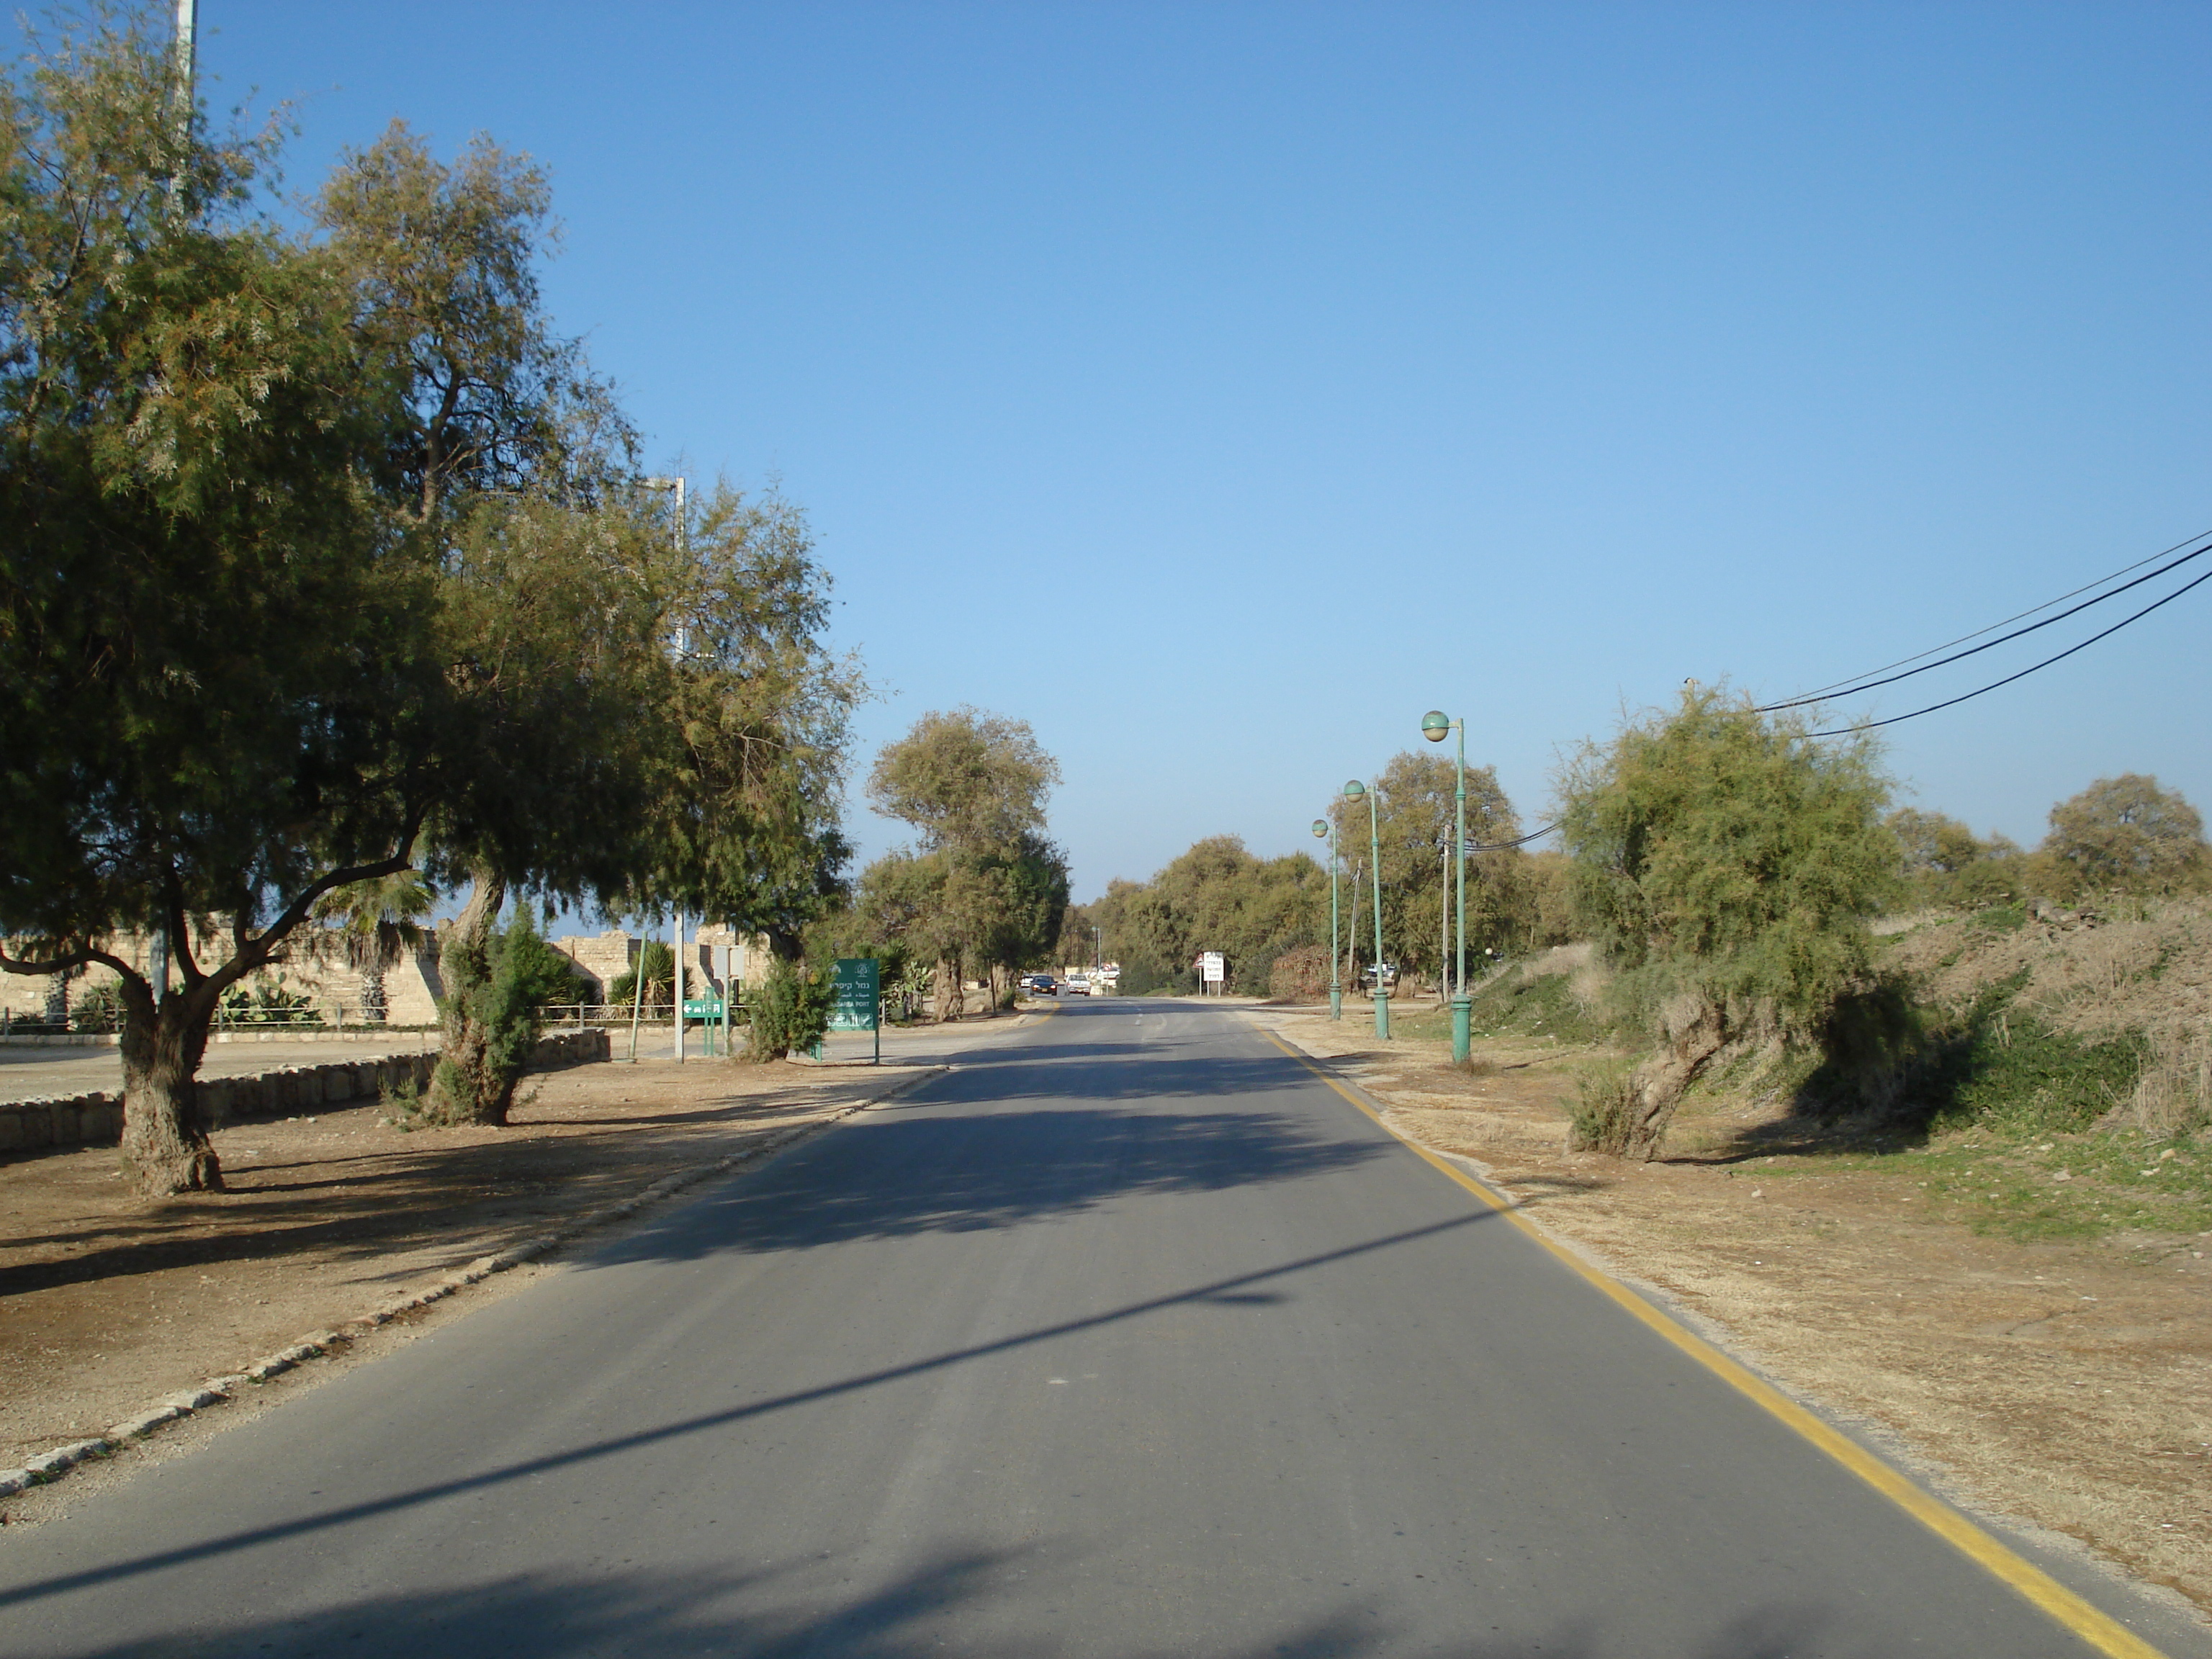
1076, 985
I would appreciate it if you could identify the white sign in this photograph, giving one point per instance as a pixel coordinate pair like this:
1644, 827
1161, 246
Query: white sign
1212, 969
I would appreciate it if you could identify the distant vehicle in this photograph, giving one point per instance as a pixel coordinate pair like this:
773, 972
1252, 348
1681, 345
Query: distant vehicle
1078, 984
1040, 985
1389, 974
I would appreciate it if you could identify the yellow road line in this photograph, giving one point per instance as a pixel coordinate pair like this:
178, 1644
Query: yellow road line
2102, 1632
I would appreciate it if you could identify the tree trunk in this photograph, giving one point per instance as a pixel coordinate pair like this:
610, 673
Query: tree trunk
471, 1085
1695, 1028
165, 1146
951, 994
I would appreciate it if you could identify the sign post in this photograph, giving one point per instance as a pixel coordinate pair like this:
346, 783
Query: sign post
858, 999
710, 1009
1213, 970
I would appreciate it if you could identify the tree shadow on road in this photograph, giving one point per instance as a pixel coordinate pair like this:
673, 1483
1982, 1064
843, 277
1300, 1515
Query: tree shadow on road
889, 1175
942, 1606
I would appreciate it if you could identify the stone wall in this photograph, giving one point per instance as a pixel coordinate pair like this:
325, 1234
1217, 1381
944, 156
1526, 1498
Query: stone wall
412, 987
97, 1119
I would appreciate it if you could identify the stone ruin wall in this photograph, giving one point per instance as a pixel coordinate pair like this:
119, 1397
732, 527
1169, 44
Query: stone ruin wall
411, 987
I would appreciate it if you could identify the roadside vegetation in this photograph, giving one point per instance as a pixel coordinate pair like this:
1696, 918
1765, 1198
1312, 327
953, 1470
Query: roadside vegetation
331, 565
982, 894
1743, 926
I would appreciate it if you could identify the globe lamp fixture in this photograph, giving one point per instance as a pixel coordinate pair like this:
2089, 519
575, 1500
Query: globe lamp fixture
1435, 725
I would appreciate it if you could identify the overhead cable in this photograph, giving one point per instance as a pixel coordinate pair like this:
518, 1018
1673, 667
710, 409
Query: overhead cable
1869, 726
1836, 685
1507, 845
1852, 688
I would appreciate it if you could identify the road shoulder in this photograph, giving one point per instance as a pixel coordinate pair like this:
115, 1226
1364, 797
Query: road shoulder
1952, 1347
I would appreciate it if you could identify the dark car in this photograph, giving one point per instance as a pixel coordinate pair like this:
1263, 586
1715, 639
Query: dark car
1040, 985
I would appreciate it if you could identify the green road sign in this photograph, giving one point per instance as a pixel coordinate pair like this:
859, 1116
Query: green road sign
858, 991
703, 1008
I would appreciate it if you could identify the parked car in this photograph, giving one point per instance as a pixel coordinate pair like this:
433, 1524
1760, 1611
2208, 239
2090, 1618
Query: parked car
1389, 974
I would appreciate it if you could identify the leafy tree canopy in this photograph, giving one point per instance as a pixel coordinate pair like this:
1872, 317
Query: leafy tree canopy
965, 779
2127, 833
1729, 864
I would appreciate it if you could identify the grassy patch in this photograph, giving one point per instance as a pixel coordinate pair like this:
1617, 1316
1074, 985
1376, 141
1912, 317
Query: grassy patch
1514, 1005
2063, 1186
2083, 1187
2013, 1075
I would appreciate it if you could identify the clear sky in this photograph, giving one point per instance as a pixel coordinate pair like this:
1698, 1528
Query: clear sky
1219, 386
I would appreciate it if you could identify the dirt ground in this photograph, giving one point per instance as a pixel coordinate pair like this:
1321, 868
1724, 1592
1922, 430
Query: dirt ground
109, 1302
2064, 1382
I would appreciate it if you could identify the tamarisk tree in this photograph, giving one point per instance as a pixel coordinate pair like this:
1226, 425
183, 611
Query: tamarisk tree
985, 891
1728, 863
324, 565
215, 655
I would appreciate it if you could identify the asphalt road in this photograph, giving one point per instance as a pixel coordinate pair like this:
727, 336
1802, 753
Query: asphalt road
1128, 1337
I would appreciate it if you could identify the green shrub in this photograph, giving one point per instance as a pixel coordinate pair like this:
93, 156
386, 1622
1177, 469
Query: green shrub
1989, 1065
269, 1003
492, 999
1143, 977
790, 1011
2016, 1074
658, 963
1604, 1116
100, 1009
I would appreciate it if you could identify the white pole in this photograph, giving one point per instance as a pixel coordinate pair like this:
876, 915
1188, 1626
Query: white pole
187, 12
676, 986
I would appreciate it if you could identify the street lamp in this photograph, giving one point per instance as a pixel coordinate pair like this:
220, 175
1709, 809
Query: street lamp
1323, 828
1434, 725
1354, 791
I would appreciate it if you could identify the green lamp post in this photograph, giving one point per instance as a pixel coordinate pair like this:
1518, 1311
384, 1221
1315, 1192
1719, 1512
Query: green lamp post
1434, 725
1322, 828
1354, 791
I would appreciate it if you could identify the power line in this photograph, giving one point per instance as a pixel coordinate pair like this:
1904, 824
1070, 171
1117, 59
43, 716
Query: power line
1507, 845
1820, 691
1869, 726
1854, 687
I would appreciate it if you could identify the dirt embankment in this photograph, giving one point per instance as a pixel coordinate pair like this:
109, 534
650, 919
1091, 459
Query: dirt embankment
2064, 1379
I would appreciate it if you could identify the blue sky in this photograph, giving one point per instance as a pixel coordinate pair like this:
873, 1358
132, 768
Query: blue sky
1220, 386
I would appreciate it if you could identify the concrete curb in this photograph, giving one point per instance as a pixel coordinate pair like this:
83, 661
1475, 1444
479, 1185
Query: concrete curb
50, 1466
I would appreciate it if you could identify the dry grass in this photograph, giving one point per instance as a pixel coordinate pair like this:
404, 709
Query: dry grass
2149, 969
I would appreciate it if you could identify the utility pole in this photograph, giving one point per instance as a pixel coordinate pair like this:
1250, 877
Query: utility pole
157, 936
683, 650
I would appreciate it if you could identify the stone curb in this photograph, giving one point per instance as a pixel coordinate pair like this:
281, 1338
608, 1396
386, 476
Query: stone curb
217, 1390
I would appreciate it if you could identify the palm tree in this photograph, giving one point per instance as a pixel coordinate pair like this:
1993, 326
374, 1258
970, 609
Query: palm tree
370, 926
